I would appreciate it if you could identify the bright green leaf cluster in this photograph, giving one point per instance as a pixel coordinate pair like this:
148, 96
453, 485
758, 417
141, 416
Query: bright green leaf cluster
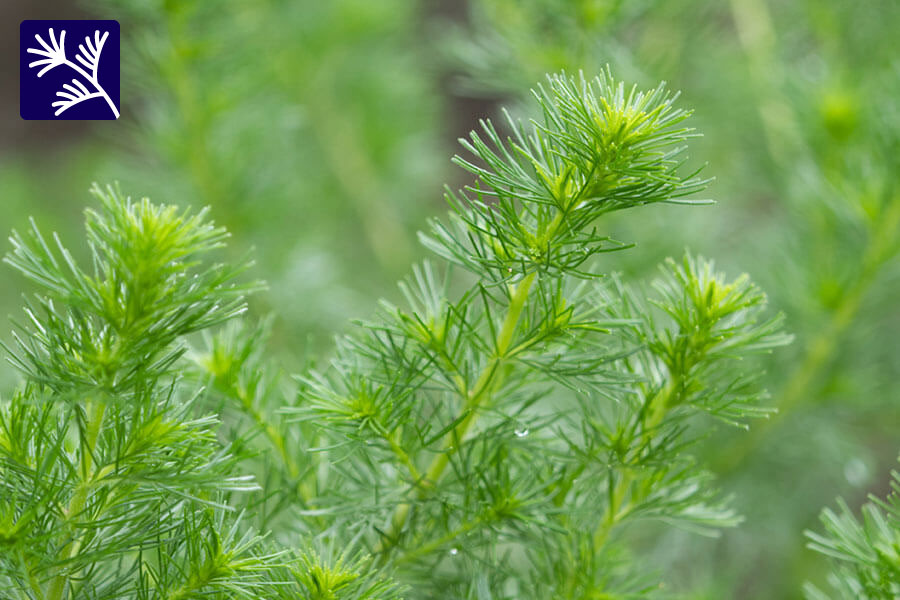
599, 148
115, 324
114, 480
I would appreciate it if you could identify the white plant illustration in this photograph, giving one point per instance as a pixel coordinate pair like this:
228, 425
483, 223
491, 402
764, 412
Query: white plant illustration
54, 55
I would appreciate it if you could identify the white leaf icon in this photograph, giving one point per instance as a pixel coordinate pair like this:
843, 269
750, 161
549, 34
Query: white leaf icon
90, 57
54, 55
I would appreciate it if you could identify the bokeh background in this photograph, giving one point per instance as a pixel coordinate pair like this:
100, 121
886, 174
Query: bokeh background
320, 134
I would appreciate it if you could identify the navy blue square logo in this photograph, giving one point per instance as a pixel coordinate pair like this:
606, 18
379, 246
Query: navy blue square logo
69, 70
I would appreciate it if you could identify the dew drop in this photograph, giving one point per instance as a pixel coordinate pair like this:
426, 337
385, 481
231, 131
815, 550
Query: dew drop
454, 551
520, 433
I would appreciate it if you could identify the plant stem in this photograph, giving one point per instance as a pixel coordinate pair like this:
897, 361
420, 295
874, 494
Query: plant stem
94, 413
658, 407
356, 175
475, 400
433, 545
753, 23
278, 442
196, 150
32, 580
403, 456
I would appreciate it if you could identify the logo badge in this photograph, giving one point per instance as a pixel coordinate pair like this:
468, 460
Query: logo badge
69, 70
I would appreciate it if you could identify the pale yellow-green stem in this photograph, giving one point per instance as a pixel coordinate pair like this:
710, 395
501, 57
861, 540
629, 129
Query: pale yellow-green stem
756, 34
195, 121
356, 175
33, 582
659, 406
474, 402
94, 413
429, 547
278, 442
404, 458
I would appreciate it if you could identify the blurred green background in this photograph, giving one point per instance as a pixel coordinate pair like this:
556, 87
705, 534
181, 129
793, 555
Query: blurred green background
320, 134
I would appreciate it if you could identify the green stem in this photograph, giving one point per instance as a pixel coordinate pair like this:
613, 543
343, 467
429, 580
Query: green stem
356, 175
475, 400
94, 413
278, 442
192, 110
401, 454
404, 458
657, 408
756, 35
33, 582
429, 547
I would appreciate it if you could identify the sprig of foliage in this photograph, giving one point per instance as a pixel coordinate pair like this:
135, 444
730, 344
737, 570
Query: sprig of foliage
865, 550
103, 458
112, 326
600, 148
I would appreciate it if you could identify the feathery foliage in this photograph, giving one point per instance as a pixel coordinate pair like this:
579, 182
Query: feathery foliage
494, 437
798, 101
865, 550
114, 483
599, 149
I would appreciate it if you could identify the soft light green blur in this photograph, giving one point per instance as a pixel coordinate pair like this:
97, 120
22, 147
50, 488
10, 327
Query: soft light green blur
320, 134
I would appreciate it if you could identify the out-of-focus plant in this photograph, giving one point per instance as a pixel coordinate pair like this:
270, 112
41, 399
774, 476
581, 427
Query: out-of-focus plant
494, 52
314, 129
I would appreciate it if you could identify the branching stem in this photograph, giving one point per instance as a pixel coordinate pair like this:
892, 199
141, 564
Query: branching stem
33, 582
658, 406
429, 547
278, 442
475, 401
94, 413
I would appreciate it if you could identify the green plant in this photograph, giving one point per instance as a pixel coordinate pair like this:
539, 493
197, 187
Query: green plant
866, 551
499, 436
